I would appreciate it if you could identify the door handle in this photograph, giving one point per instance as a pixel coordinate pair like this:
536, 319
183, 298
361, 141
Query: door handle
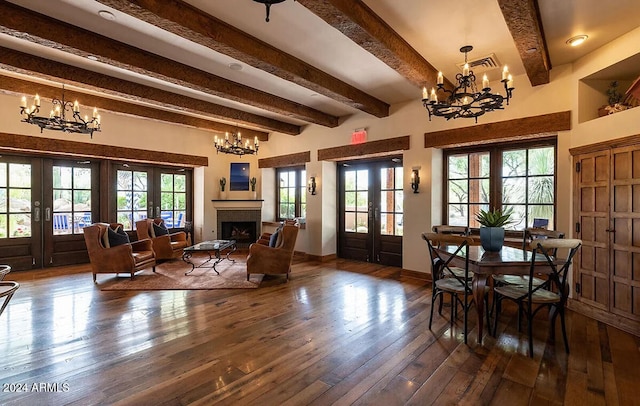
47, 214
610, 230
36, 211
157, 211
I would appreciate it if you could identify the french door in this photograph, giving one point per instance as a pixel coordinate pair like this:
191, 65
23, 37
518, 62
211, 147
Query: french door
147, 192
44, 205
371, 218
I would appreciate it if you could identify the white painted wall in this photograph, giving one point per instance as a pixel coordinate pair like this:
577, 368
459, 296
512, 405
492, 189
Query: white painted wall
421, 210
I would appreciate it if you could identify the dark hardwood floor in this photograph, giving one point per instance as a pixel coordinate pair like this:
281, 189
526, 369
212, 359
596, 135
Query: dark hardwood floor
337, 333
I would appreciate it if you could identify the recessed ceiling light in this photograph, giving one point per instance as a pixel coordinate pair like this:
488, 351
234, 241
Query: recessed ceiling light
107, 15
577, 40
92, 57
235, 66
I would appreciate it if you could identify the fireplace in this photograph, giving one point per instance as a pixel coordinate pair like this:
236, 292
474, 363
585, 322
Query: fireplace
244, 232
242, 225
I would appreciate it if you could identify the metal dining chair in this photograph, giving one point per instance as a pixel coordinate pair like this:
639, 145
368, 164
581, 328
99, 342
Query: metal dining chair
552, 294
7, 288
448, 281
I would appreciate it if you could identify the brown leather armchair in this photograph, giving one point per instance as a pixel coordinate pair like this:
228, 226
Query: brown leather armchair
167, 246
125, 258
273, 260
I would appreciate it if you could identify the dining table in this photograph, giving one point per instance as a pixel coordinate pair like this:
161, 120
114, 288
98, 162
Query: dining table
484, 264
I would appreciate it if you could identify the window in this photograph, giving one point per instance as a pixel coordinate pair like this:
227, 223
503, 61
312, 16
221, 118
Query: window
520, 177
292, 196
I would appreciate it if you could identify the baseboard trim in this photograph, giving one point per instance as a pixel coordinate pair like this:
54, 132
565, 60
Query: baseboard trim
417, 275
322, 258
623, 323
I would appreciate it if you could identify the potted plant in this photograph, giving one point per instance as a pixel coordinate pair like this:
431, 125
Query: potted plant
253, 182
616, 103
492, 228
223, 183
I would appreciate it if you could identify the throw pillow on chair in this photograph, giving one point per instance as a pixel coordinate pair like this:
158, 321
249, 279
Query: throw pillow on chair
159, 230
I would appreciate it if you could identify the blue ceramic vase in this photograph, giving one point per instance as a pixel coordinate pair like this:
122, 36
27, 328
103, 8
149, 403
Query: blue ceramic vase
492, 238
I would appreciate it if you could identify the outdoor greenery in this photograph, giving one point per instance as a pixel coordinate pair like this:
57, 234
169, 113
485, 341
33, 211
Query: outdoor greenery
527, 183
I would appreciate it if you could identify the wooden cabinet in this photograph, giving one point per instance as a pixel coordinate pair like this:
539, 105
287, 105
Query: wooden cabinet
607, 215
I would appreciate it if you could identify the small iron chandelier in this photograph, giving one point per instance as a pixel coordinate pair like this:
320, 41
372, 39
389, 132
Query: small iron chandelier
267, 4
57, 118
465, 101
234, 145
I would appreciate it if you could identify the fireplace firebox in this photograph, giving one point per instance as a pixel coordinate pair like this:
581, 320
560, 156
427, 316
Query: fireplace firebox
244, 232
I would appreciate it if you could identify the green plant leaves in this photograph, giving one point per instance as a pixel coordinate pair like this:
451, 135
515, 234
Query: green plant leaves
494, 218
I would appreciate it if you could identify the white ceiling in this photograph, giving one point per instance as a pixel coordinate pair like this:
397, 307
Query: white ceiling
435, 28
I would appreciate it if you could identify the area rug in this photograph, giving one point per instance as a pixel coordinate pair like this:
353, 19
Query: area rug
171, 276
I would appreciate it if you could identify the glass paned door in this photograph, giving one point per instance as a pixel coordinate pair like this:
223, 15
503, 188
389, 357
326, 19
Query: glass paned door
173, 199
132, 196
70, 200
20, 212
371, 212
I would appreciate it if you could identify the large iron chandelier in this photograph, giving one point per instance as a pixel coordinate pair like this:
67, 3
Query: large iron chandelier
234, 144
465, 101
57, 117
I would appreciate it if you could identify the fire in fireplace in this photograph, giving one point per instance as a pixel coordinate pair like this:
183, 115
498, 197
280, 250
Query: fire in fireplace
244, 232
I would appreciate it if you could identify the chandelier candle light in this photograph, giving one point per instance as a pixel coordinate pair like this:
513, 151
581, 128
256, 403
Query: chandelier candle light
57, 118
465, 101
234, 145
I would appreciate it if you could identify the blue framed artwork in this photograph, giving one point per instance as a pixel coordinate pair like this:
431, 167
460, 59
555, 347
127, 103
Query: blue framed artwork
239, 176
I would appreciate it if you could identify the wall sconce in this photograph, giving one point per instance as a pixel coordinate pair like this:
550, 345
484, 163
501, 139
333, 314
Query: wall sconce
312, 185
415, 179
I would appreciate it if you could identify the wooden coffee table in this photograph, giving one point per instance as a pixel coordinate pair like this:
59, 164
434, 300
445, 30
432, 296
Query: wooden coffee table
215, 247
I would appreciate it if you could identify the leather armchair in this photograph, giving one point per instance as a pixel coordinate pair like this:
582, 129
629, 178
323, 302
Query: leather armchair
168, 246
273, 260
125, 258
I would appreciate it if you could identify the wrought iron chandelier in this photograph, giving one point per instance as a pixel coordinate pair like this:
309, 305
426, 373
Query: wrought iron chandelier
57, 118
465, 101
267, 4
234, 145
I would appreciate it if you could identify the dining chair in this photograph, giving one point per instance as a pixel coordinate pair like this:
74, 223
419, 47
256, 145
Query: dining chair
529, 235
461, 231
551, 294
4, 270
446, 281
7, 288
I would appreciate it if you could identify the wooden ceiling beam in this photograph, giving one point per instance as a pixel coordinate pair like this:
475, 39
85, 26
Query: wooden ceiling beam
524, 22
19, 62
191, 23
27, 25
359, 23
20, 86
509, 130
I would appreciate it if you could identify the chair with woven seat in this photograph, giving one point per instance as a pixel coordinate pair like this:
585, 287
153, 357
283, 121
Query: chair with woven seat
529, 235
552, 294
166, 245
461, 231
446, 281
126, 257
